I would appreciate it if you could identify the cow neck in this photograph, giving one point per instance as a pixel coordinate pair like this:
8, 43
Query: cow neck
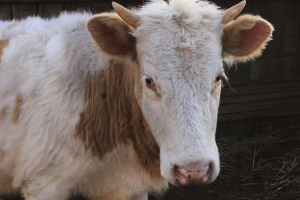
113, 116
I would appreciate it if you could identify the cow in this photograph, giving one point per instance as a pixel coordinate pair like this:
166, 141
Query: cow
116, 105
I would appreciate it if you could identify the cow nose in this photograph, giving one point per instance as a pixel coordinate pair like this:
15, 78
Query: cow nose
195, 174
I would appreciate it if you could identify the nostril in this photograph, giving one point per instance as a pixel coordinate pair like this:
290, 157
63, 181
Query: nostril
179, 177
208, 174
193, 174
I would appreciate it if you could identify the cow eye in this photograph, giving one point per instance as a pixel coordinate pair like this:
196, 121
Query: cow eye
220, 79
217, 82
148, 80
150, 83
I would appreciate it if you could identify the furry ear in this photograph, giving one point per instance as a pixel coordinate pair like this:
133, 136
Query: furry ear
111, 33
245, 38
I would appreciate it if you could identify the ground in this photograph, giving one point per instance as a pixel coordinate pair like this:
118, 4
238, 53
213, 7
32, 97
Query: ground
259, 160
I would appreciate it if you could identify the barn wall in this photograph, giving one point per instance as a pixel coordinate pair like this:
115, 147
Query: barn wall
270, 86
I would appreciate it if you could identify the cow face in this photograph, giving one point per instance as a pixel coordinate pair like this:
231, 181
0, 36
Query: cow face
180, 48
180, 96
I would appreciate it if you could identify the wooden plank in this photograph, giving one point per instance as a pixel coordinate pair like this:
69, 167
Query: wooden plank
274, 68
101, 7
262, 87
23, 10
5, 11
133, 3
259, 97
78, 7
48, 10
48, 1
68, 1
281, 54
291, 26
240, 72
270, 104
276, 45
259, 114
285, 41
267, 81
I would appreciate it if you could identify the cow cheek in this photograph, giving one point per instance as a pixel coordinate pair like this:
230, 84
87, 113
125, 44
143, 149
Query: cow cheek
217, 92
153, 114
214, 107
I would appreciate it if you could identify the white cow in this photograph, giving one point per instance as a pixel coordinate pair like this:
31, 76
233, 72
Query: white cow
113, 106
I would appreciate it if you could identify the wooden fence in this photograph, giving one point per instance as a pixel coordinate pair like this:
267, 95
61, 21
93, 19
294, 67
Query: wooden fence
270, 86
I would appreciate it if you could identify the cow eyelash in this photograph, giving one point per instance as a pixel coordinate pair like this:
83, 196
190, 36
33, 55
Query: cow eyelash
221, 77
149, 80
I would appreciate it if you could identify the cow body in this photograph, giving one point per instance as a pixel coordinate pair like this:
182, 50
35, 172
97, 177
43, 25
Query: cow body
79, 112
39, 121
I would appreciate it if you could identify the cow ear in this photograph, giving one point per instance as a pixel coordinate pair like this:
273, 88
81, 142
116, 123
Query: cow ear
245, 38
111, 34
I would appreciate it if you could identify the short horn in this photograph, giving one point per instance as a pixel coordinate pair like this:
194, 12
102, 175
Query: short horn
128, 16
232, 12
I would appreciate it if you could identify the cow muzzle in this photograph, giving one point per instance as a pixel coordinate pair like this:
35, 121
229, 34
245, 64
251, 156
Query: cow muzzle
193, 174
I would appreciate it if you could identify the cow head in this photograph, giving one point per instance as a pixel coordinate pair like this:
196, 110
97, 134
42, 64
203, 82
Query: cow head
180, 47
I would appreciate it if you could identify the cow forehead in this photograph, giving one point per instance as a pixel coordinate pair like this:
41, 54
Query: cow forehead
179, 38
190, 13
180, 17
187, 57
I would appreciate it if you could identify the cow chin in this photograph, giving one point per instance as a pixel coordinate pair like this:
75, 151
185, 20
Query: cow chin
186, 172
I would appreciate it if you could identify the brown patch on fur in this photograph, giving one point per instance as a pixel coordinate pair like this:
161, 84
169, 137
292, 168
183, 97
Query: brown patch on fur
3, 113
113, 115
3, 44
17, 109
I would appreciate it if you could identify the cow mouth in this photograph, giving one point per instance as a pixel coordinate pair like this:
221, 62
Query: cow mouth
193, 174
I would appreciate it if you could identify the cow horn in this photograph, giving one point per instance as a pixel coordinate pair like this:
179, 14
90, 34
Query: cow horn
232, 12
128, 16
